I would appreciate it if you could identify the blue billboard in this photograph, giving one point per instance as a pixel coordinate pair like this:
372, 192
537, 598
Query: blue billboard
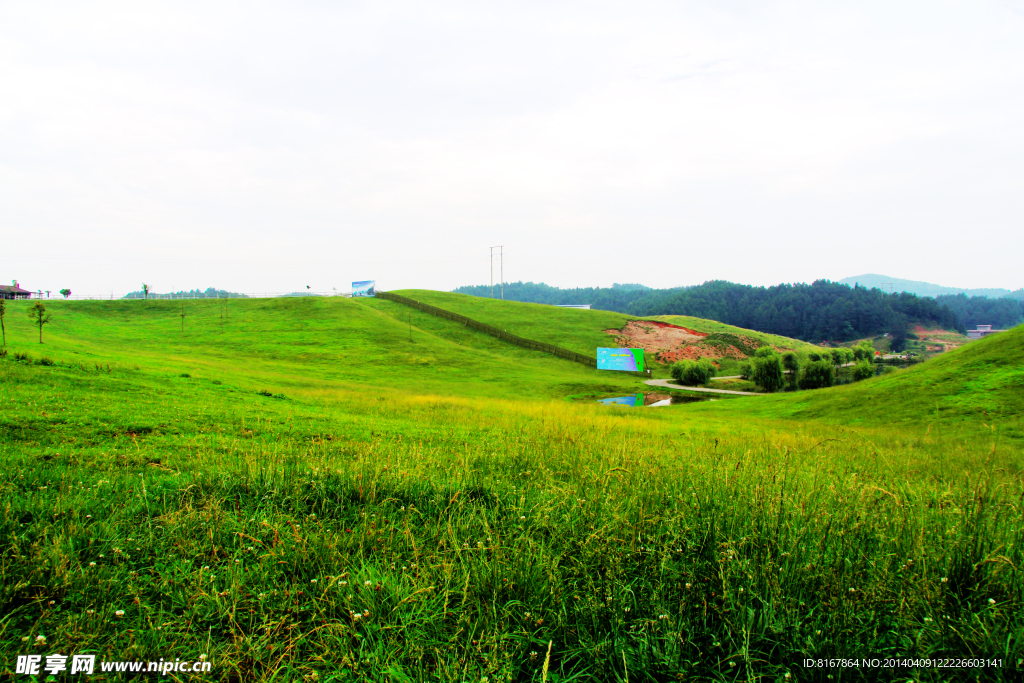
364, 288
630, 360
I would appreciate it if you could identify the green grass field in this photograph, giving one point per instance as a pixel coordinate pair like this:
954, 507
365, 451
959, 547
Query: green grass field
435, 510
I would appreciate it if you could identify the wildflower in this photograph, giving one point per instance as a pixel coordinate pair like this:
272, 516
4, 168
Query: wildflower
944, 580
741, 590
119, 613
24, 639
928, 619
787, 676
202, 658
521, 518
366, 583
313, 581
92, 564
41, 640
991, 601
689, 585
852, 590
90, 611
101, 557
533, 656
343, 583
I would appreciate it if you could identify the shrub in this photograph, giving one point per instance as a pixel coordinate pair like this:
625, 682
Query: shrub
265, 393
767, 372
862, 370
693, 373
764, 352
814, 356
817, 375
45, 361
185, 375
3, 353
22, 357
746, 372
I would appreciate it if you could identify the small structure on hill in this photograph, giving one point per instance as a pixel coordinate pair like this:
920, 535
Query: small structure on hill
585, 307
982, 331
14, 292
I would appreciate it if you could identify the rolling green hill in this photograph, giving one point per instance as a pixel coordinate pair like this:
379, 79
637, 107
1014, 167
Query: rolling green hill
577, 330
289, 344
435, 510
980, 383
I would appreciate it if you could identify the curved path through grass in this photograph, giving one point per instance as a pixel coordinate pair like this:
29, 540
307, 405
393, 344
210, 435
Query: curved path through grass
668, 384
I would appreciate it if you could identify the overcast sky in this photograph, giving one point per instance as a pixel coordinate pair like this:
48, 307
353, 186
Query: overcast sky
266, 146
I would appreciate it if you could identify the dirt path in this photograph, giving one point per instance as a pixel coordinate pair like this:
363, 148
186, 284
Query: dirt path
667, 384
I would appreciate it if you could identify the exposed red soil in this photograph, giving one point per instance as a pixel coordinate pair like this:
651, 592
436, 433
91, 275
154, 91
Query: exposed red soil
937, 340
669, 343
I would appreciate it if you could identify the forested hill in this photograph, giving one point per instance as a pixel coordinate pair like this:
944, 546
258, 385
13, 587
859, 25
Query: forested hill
813, 312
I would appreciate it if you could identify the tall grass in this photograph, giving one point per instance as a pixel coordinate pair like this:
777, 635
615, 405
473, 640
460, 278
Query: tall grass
344, 535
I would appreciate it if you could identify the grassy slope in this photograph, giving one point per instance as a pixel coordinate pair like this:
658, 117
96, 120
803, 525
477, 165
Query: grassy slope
287, 344
580, 331
979, 383
742, 535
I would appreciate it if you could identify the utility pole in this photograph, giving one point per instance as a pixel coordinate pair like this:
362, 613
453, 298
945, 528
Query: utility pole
501, 255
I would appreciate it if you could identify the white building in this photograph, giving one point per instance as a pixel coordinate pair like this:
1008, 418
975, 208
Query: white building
982, 331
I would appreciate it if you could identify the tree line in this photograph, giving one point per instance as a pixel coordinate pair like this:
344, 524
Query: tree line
819, 311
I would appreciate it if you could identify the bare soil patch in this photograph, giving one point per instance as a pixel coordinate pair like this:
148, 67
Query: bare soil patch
670, 343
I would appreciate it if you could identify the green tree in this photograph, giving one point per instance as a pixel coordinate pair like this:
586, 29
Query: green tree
145, 291
837, 356
814, 356
818, 375
862, 370
694, 373
792, 365
3, 309
38, 315
66, 292
899, 331
767, 372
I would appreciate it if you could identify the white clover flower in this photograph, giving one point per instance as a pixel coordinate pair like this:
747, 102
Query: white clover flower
202, 658
944, 580
991, 601
119, 613
92, 564
24, 639
313, 581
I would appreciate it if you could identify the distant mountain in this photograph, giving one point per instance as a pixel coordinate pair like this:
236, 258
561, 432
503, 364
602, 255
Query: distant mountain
883, 282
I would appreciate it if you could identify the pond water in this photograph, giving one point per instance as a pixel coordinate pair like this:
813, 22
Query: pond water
652, 400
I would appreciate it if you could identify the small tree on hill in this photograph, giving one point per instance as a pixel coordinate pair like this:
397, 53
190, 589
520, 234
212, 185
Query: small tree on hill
3, 309
145, 291
767, 371
65, 292
38, 315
